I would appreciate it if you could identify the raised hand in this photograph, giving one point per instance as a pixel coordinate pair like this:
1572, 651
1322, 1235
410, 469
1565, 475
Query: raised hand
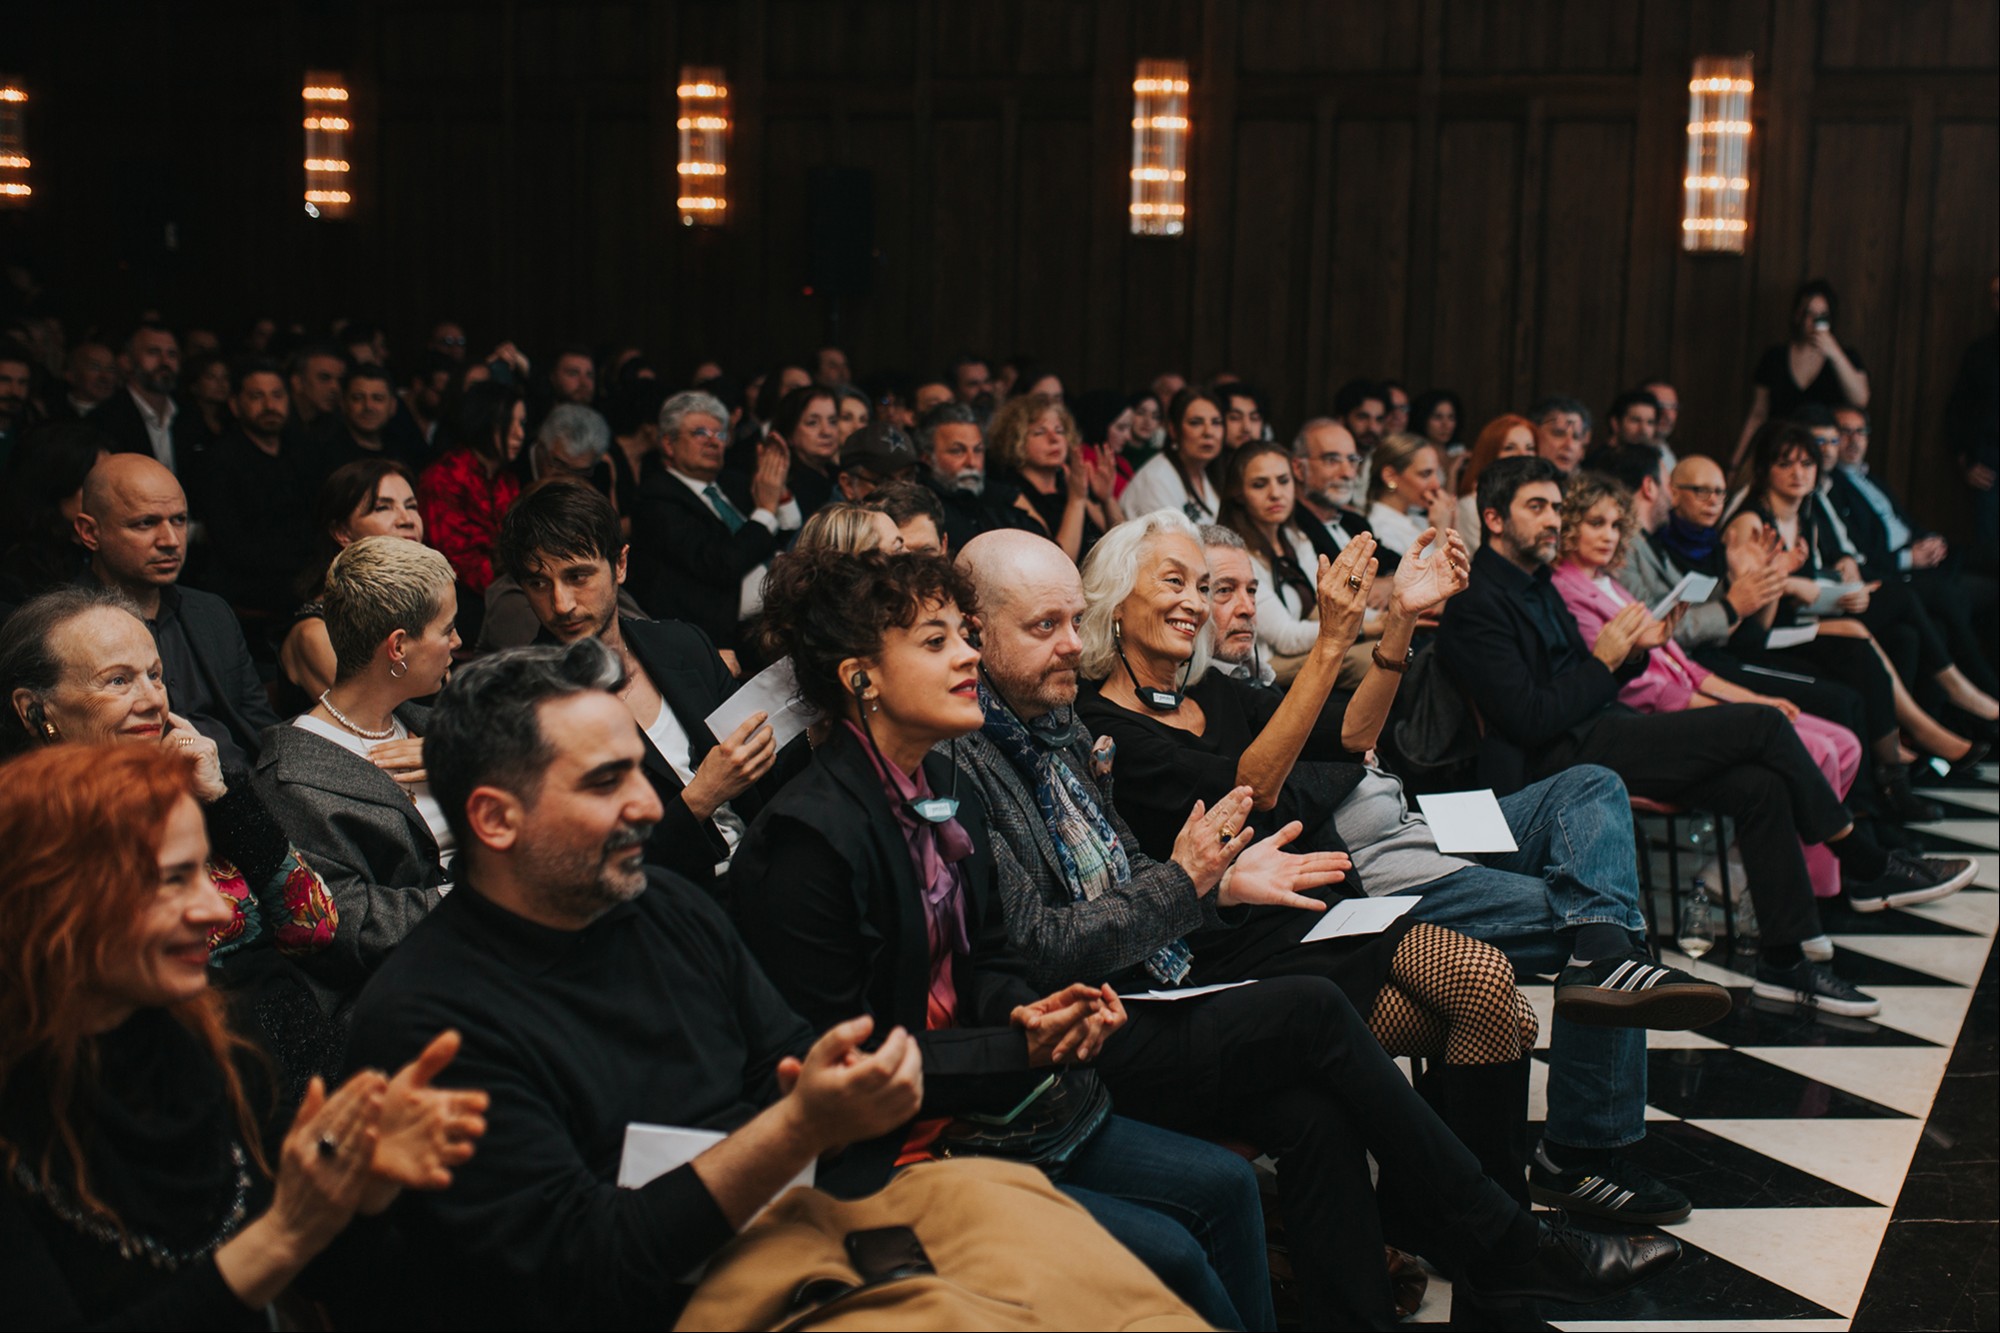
1202, 849
402, 759
1345, 583
737, 761
1270, 876
180, 735
424, 1130
767, 483
1620, 635
847, 1095
1435, 571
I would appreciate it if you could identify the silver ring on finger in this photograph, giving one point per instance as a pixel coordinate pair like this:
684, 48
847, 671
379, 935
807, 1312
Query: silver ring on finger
329, 1147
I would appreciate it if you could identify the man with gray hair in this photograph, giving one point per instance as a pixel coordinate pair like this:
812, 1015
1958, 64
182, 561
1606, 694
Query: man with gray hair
1232, 605
1562, 431
1326, 463
571, 442
701, 541
952, 444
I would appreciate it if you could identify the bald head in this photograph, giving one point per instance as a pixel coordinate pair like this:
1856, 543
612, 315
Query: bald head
1698, 490
1031, 606
134, 522
1010, 565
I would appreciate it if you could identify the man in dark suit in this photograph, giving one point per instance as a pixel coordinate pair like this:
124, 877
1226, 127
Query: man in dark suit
701, 541
561, 542
140, 417
1326, 464
134, 524
1894, 548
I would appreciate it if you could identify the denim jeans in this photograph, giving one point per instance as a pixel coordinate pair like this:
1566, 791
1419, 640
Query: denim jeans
1188, 1209
1575, 866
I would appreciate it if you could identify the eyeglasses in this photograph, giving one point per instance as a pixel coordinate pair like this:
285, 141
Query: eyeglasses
1860, 432
704, 433
451, 342
1703, 492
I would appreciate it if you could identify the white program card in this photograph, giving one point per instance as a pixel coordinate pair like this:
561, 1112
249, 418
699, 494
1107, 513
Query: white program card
653, 1150
774, 690
1791, 636
1360, 916
1828, 601
1692, 589
1185, 992
1465, 823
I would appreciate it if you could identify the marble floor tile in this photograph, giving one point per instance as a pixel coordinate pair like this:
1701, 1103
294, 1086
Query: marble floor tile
1934, 1275
1730, 1085
1971, 832
1934, 1013
1869, 1157
1904, 1078
1971, 798
1717, 1172
1708, 1325
1823, 1254
1961, 958
1978, 912
1759, 1022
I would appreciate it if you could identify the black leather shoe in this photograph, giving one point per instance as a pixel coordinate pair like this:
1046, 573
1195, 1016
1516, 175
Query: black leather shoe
1578, 1266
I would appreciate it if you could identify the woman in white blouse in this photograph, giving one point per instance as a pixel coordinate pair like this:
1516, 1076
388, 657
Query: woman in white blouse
1406, 493
1258, 503
1178, 477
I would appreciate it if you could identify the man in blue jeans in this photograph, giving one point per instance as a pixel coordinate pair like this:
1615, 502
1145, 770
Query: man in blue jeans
1565, 901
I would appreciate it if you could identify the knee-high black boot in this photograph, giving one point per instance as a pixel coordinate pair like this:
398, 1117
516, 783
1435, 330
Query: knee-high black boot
1486, 1106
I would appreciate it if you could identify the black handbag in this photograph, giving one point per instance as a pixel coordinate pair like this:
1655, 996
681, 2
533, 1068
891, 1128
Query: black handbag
1061, 1115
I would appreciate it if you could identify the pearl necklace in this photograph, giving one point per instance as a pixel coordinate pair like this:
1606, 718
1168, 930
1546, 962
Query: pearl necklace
347, 722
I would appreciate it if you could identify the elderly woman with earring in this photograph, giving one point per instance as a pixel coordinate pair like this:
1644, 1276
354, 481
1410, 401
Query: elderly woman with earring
348, 777
145, 1189
78, 666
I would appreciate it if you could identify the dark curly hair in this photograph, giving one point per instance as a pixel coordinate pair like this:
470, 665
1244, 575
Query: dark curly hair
823, 607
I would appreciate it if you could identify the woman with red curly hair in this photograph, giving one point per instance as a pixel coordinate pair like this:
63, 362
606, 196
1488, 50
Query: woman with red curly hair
136, 1192
1507, 436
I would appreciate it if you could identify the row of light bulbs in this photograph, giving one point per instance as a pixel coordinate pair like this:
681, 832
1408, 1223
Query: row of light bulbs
1714, 217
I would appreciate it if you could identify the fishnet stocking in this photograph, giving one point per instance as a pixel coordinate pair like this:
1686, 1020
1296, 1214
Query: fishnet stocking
1453, 998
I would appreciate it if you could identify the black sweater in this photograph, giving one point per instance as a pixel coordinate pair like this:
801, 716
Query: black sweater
654, 1013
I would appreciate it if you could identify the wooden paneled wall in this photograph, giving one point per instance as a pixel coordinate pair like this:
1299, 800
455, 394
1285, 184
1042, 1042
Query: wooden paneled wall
1481, 194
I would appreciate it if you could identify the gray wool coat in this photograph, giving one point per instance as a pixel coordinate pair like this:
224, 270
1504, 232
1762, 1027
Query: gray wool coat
365, 838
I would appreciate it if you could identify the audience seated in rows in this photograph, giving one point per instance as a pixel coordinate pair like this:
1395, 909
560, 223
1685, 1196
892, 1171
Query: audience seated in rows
1547, 702
1084, 902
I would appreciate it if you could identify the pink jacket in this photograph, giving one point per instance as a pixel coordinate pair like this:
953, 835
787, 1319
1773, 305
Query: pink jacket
1671, 677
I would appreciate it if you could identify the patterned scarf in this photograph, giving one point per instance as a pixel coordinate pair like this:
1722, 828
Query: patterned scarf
1087, 847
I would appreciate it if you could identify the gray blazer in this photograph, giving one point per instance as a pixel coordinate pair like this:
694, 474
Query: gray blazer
365, 838
1063, 939
1649, 576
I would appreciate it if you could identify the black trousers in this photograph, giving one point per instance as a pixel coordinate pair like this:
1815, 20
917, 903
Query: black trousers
1848, 662
1289, 1066
1897, 619
1958, 603
1740, 760
1829, 699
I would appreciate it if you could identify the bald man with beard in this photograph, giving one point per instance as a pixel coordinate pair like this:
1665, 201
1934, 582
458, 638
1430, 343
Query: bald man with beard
134, 522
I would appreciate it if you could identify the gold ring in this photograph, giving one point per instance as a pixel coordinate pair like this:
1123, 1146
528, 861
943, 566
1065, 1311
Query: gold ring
1354, 580
187, 741
1226, 834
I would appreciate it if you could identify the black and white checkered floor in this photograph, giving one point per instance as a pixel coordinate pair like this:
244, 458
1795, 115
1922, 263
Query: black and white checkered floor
1843, 1171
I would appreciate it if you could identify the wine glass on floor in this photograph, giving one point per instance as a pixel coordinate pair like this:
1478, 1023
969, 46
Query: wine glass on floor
1696, 928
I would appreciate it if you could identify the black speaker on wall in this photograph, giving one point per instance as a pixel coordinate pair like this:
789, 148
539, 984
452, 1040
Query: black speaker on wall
840, 231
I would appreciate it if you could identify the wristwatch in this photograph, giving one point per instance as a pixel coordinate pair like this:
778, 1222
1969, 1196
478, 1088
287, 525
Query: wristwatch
1398, 667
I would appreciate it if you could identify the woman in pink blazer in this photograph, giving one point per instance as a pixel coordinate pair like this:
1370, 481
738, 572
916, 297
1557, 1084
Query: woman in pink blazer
1598, 526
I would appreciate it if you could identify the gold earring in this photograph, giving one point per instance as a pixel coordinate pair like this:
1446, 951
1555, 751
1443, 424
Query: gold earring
49, 730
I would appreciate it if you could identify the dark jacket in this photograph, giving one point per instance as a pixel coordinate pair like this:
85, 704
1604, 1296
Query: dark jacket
824, 893
682, 664
686, 564
1865, 528
366, 839
118, 417
1511, 646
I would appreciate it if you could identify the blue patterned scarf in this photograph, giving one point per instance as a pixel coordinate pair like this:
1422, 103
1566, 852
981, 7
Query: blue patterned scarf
1092, 858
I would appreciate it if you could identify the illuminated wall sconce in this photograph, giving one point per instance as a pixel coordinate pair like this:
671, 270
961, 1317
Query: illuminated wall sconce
1715, 216
14, 188
703, 168
329, 131
1159, 148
